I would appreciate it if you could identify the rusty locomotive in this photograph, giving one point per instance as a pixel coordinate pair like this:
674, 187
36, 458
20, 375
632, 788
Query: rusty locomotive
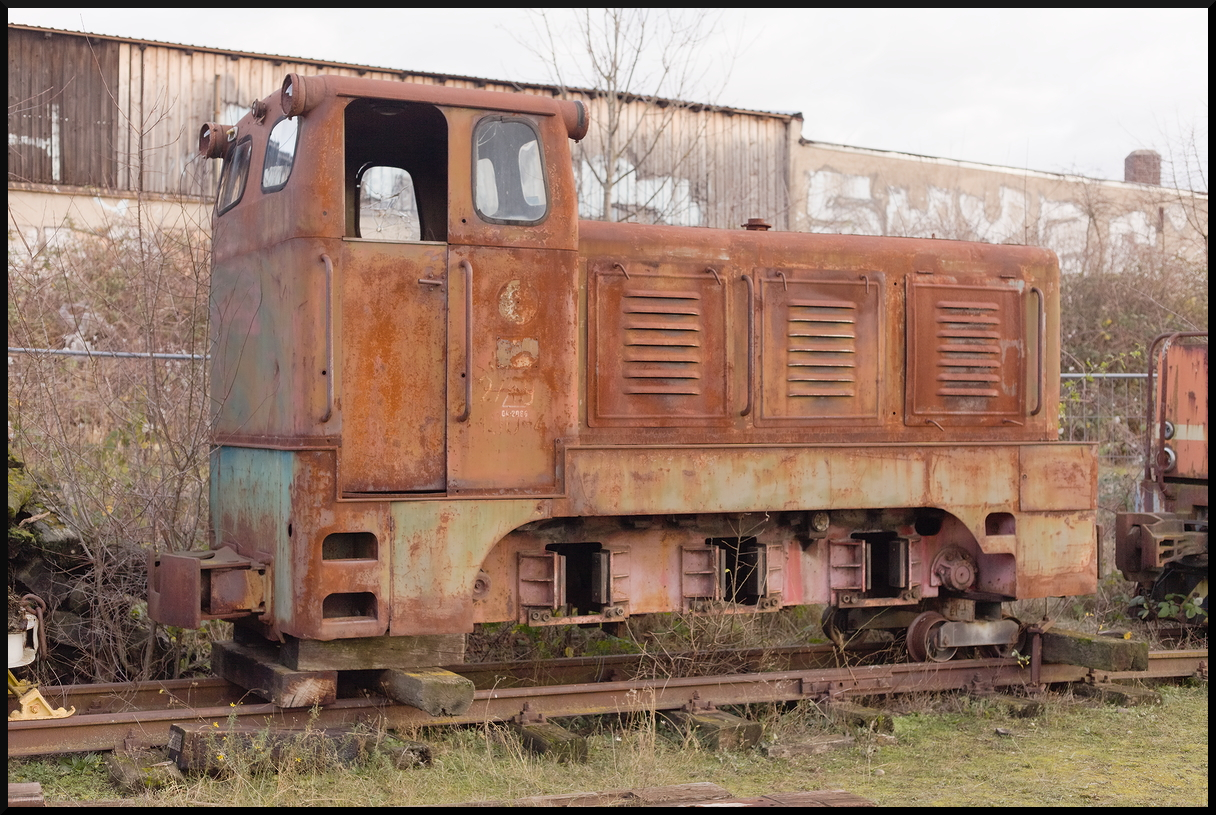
1163, 546
444, 400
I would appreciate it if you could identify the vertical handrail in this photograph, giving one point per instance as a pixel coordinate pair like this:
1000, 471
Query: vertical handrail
1042, 363
468, 340
751, 339
1160, 461
328, 373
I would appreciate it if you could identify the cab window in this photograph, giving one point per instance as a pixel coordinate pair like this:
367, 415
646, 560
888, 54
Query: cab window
236, 172
388, 210
280, 154
508, 171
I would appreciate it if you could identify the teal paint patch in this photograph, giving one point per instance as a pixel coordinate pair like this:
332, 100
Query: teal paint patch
252, 515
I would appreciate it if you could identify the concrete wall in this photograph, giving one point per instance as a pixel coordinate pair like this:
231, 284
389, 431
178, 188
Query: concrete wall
1090, 224
44, 217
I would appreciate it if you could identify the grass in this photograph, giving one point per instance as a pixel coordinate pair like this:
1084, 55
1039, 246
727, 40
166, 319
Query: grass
77, 777
948, 754
1074, 755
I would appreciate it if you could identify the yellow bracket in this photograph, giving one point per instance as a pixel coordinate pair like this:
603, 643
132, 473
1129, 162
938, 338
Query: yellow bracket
33, 706
16, 686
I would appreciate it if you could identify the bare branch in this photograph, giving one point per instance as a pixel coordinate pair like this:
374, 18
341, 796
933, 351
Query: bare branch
635, 66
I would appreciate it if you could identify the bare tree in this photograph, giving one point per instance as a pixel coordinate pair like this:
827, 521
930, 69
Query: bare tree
122, 444
1187, 163
635, 66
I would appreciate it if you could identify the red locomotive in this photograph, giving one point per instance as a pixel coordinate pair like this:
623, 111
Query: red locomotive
1164, 546
444, 400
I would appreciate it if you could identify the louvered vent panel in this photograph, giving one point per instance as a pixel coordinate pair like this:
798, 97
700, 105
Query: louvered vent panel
662, 334
822, 351
820, 345
968, 348
656, 346
966, 353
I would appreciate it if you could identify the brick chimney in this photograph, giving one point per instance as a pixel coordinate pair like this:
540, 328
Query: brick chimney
1142, 167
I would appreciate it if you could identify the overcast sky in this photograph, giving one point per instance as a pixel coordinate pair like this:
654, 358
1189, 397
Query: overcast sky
1061, 91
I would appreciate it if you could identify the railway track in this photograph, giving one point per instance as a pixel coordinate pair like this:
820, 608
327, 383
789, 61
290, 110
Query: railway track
109, 713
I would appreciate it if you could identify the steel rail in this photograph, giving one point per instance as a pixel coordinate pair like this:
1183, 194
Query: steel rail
117, 697
212, 691
1161, 665
101, 731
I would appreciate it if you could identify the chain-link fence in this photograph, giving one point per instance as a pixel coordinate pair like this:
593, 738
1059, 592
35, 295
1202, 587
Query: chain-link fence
1108, 409
1105, 408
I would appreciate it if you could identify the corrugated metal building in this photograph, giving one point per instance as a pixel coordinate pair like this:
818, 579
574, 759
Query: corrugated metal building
95, 115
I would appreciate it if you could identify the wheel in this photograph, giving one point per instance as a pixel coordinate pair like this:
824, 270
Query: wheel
922, 639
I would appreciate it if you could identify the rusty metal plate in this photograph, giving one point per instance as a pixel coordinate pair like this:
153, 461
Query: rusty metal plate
1185, 405
175, 590
1057, 555
504, 420
658, 336
269, 368
966, 353
820, 346
393, 375
700, 568
1058, 477
542, 580
236, 591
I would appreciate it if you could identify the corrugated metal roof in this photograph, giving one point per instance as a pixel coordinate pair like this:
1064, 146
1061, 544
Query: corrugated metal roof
321, 63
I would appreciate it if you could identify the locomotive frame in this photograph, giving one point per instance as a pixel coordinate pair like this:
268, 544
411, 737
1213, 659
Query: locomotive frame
474, 407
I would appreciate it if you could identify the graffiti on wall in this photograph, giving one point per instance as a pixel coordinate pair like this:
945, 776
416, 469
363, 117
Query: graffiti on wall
862, 205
